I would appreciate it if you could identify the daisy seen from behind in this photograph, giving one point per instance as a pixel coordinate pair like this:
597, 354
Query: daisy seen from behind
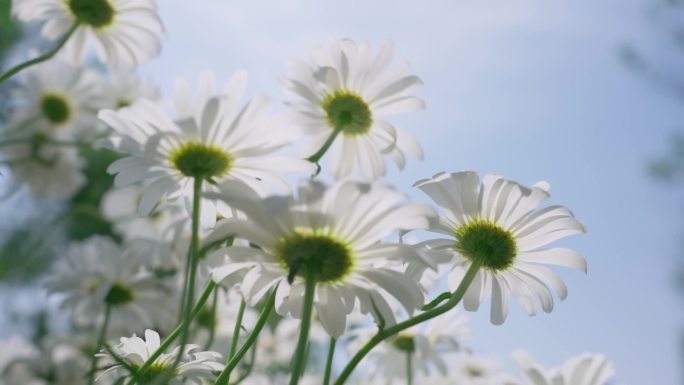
498, 225
328, 237
125, 33
342, 99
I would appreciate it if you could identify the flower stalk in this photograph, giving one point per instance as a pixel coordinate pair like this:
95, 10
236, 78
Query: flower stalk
100, 342
251, 339
383, 334
301, 353
44, 57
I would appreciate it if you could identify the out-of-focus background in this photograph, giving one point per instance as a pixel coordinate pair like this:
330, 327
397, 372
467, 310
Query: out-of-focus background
587, 95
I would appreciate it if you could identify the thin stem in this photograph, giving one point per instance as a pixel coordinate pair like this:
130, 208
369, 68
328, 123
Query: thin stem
251, 339
319, 154
46, 56
192, 260
383, 334
184, 294
250, 366
100, 342
175, 333
409, 368
329, 361
236, 331
301, 352
212, 328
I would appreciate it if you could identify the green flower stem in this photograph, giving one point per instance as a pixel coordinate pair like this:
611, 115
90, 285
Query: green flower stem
390, 331
212, 329
409, 368
301, 353
251, 339
175, 333
100, 342
193, 259
184, 294
319, 154
329, 361
236, 331
46, 56
250, 366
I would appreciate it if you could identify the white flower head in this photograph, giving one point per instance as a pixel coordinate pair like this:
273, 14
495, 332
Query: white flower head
193, 367
472, 369
332, 234
211, 139
120, 206
98, 273
56, 362
498, 225
347, 88
585, 369
48, 171
125, 87
58, 100
428, 345
125, 33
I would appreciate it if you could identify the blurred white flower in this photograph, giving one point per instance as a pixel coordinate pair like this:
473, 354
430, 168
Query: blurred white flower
497, 224
58, 100
48, 171
120, 206
348, 89
97, 273
330, 233
468, 369
585, 369
125, 87
125, 33
211, 139
428, 345
194, 366
57, 363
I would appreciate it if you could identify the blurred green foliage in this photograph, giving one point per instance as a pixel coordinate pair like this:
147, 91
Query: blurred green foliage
85, 218
10, 31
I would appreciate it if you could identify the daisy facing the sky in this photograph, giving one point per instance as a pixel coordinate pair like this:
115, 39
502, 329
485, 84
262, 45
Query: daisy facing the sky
344, 95
211, 138
330, 235
125, 33
498, 225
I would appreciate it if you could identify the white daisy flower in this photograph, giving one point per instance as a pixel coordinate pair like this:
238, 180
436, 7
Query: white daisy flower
98, 273
330, 233
471, 369
59, 100
194, 367
468, 369
56, 363
120, 206
125, 33
48, 171
427, 344
211, 139
349, 91
497, 225
585, 369
125, 87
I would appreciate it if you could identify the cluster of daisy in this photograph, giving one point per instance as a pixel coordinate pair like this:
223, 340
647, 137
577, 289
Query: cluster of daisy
246, 275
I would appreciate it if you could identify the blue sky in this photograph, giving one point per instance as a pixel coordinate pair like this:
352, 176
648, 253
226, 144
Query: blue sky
529, 89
